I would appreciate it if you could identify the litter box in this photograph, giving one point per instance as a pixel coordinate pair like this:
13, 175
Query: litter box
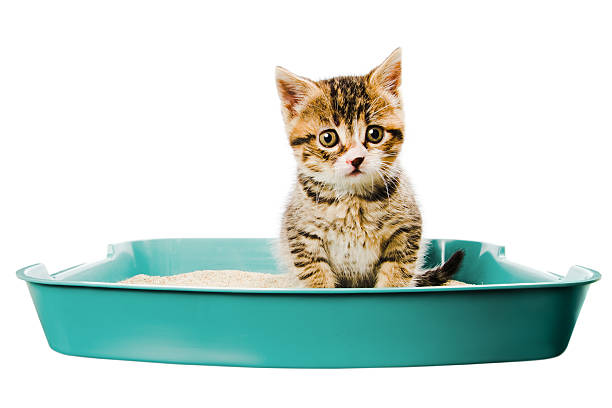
513, 313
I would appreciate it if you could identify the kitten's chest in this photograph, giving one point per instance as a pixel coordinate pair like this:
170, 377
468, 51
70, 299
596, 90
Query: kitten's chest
351, 240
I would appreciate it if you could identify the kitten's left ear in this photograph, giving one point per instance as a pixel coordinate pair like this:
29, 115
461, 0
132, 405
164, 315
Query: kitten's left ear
388, 75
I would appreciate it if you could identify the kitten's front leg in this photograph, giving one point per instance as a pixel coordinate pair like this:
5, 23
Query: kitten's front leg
394, 274
310, 260
397, 263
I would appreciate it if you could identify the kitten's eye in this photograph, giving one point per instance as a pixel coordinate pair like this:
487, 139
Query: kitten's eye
328, 138
374, 134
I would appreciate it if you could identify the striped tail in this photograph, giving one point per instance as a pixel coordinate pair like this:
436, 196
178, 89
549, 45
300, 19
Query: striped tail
443, 273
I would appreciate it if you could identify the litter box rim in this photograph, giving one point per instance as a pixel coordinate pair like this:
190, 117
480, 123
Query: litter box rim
37, 273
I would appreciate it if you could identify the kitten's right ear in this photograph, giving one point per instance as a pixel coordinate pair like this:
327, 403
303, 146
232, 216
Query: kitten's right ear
292, 90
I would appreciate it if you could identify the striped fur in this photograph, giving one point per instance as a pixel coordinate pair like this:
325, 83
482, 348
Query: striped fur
347, 226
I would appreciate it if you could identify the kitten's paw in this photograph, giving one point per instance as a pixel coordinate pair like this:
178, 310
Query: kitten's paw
394, 275
317, 276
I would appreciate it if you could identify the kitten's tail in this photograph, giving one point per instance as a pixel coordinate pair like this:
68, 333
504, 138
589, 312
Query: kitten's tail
443, 273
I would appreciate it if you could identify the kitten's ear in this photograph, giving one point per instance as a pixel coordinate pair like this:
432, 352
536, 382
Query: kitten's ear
388, 75
292, 90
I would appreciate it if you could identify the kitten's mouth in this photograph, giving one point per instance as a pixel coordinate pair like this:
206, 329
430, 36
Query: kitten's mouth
355, 172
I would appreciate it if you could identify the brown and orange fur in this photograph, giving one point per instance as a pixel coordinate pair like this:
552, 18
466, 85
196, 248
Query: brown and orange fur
352, 219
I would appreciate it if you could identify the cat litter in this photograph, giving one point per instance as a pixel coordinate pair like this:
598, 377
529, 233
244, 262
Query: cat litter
228, 279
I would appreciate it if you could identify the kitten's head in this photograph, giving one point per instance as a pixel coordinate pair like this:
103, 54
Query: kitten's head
345, 131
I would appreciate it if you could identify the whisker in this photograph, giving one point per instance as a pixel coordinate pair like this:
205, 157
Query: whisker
372, 180
385, 182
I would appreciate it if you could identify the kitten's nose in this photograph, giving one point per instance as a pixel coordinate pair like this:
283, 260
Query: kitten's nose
356, 162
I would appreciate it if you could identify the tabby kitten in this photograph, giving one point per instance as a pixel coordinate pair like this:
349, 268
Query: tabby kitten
352, 219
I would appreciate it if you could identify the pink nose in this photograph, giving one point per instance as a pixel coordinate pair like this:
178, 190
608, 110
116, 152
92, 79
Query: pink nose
356, 162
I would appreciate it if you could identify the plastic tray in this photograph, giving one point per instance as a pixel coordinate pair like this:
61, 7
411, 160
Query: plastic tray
516, 313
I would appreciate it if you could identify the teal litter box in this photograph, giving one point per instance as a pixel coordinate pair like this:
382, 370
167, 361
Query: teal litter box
515, 312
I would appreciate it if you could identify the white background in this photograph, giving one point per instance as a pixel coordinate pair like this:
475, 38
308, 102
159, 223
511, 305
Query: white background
127, 120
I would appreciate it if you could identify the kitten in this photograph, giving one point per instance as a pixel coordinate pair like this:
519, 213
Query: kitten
352, 219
